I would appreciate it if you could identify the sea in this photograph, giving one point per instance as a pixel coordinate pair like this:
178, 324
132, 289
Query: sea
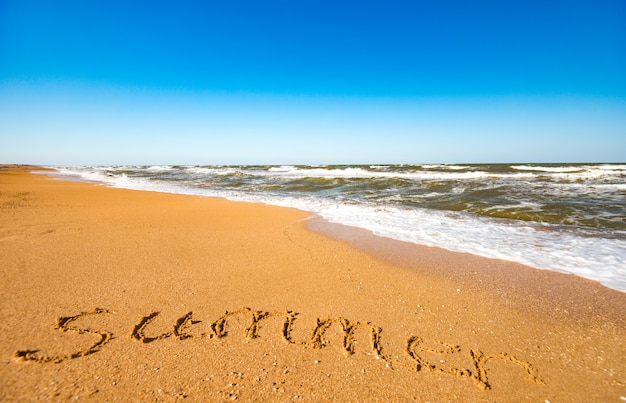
568, 218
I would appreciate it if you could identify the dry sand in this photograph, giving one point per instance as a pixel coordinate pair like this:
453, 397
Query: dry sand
111, 294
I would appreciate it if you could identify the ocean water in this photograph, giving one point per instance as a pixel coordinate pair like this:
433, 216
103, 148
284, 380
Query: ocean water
563, 217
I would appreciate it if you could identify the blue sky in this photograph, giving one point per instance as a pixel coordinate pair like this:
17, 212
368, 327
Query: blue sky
288, 82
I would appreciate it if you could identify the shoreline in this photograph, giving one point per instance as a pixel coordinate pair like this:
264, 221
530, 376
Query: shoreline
407, 254
578, 296
150, 276
597, 254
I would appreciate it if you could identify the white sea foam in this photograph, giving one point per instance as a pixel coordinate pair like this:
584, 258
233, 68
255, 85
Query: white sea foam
546, 169
577, 173
160, 168
445, 166
199, 170
356, 173
284, 168
538, 245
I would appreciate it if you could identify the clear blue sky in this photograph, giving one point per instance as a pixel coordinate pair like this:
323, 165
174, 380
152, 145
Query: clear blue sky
288, 82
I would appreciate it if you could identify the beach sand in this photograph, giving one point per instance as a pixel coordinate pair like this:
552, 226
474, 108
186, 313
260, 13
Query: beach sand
112, 294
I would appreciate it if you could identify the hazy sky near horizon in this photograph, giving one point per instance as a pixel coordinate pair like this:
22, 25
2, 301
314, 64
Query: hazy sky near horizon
312, 82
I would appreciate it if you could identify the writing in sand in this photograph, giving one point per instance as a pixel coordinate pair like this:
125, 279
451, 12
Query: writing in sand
416, 347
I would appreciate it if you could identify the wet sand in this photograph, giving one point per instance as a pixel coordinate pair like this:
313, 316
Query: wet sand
112, 294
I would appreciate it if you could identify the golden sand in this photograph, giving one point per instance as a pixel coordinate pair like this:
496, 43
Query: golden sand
111, 294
